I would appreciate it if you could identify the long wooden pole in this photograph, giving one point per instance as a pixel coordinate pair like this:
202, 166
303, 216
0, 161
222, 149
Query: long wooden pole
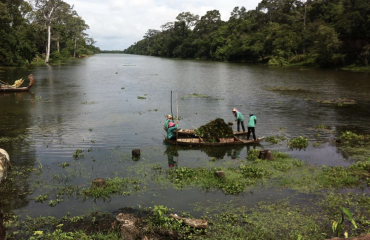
171, 106
177, 117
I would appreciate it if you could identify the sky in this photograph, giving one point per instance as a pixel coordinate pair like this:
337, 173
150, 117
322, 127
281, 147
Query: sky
117, 24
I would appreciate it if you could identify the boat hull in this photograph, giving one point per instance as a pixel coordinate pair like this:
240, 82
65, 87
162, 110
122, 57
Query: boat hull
222, 142
19, 89
190, 133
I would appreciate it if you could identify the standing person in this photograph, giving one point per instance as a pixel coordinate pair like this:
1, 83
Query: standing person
239, 119
168, 120
252, 125
170, 132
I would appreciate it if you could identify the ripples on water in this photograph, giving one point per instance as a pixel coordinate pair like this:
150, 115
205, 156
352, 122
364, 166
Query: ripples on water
92, 104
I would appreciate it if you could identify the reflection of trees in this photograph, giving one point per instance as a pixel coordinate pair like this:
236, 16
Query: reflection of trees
2, 229
15, 189
14, 122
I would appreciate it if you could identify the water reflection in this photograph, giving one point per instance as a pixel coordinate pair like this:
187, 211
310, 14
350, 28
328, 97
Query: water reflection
172, 152
93, 104
2, 228
216, 153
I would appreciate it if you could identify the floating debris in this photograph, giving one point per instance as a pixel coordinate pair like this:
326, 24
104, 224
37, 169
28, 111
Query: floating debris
281, 88
339, 101
196, 95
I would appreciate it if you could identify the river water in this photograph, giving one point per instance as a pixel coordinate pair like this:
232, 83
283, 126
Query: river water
109, 104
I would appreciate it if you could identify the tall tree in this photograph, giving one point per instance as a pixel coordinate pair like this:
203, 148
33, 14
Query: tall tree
47, 9
17, 37
76, 27
189, 19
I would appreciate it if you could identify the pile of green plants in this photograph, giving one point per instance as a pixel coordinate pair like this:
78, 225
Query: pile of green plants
214, 129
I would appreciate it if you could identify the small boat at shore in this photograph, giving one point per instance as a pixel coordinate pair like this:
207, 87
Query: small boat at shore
16, 87
191, 133
221, 141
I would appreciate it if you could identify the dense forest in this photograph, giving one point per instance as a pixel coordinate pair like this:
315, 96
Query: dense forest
41, 29
321, 33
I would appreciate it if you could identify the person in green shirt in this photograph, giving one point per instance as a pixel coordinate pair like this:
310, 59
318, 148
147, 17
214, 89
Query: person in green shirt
168, 120
170, 132
251, 126
239, 118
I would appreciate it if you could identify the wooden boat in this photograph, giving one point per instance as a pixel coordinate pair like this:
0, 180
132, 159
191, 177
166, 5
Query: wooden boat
221, 141
190, 133
10, 88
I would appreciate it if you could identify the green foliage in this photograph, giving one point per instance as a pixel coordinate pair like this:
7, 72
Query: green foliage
322, 126
253, 172
118, 186
349, 136
275, 139
278, 61
299, 143
64, 165
280, 33
41, 198
23, 34
340, 177
79, 153
159, 216
338, 226
252, 155
18, 138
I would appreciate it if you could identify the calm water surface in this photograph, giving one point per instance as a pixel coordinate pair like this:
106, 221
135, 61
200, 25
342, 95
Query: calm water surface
94, 104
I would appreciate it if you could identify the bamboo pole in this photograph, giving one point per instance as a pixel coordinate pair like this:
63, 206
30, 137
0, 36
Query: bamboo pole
171, 106
177, 113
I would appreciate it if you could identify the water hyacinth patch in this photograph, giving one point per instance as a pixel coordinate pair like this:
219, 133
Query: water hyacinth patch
299, 143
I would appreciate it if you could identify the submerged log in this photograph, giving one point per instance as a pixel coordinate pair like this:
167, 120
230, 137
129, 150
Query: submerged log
195, 223
127, 226
136, 153
220, 174
265, 154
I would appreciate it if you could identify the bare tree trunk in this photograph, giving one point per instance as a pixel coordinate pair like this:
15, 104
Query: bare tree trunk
48, 45
58, 47
75, 47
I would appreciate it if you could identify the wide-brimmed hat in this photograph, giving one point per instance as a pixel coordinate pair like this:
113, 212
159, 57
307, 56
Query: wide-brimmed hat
235, 110
169, 116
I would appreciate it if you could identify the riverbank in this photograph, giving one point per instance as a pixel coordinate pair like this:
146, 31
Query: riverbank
326, 202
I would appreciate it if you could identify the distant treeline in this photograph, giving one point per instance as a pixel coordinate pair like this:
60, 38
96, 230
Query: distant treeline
279, 32
111, 51
45, 30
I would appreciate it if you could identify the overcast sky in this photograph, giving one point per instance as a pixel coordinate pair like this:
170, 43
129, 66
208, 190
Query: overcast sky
117, 24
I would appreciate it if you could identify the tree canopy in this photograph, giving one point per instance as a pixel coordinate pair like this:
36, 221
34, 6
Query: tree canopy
278, 32
48, 28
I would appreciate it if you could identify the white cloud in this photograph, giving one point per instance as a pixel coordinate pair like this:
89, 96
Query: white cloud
117, 24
